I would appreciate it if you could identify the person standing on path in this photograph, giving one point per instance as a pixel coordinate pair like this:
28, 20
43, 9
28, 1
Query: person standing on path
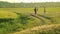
44, 10
35, 10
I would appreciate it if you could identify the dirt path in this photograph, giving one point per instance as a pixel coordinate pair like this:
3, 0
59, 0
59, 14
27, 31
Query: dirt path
42, 21
47, 17
39, 28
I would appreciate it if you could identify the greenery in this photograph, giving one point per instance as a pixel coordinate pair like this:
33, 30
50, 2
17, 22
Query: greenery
54, 29
16, 17
8, 25
28, 5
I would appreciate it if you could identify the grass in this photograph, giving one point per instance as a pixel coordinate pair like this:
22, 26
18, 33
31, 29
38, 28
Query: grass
31, 9
24, 20
7, 14
44, 29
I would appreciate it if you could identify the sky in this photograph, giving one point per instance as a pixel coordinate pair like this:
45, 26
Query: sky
29, 1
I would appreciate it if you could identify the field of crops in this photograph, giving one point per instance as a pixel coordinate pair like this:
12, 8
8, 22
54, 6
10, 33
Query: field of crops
24, 18
30, 10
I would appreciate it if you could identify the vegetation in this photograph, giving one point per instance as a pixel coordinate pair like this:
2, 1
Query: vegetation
45, 29
28, 5
16, 17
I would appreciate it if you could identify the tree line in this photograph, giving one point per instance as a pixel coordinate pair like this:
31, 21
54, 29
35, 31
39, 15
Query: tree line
28, 5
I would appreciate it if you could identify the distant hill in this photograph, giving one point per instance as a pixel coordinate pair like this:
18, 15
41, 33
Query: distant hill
28, 5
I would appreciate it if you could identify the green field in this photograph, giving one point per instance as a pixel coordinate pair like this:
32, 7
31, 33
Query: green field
30, 10
24, 18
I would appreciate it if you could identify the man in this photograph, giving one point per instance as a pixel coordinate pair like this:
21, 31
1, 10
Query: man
35, 10
44, 10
